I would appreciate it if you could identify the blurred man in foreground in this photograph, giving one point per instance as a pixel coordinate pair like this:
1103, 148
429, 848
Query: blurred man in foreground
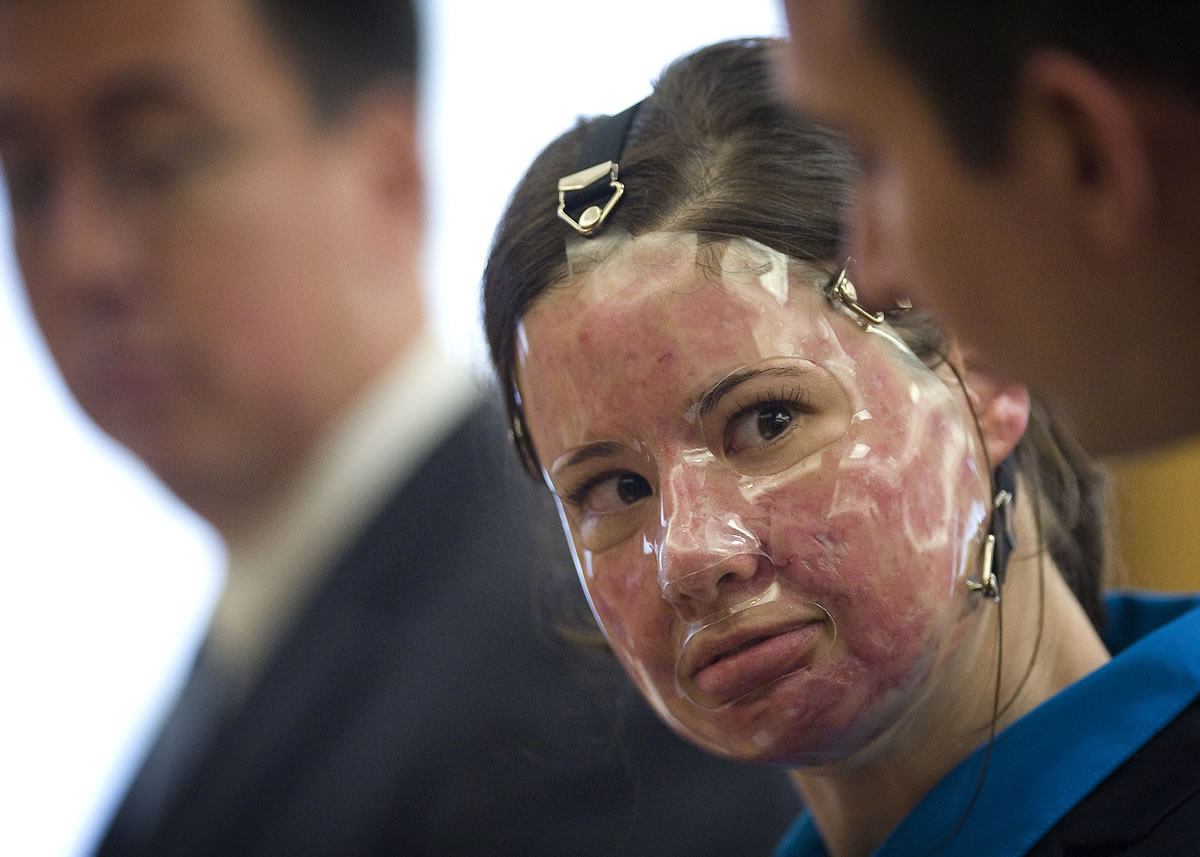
217, 211
1029, 170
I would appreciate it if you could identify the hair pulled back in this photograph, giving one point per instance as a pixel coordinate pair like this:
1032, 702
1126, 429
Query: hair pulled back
714, 151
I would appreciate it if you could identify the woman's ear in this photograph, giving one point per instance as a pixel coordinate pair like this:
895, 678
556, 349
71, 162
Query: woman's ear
1003, 410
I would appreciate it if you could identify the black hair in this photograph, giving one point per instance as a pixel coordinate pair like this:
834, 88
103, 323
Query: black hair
343, 47
968, 55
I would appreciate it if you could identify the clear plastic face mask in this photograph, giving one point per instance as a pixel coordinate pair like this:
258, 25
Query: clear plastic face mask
773, 508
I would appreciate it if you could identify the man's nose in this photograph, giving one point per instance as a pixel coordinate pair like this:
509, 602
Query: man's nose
878, 279
706, 555
86, 243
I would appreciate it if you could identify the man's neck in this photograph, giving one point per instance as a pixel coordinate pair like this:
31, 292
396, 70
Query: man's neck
347, 476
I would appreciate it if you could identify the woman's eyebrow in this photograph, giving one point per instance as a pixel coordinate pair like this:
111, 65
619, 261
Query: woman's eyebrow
601, 449
710, 399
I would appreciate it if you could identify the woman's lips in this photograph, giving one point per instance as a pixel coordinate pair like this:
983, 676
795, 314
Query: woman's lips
721, 665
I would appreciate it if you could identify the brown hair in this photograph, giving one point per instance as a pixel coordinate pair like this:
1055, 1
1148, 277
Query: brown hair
713, 151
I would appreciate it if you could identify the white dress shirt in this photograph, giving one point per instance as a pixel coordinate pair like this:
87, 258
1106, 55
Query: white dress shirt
374, 446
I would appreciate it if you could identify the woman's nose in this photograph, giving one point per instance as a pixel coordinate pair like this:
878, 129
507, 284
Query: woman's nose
706, 555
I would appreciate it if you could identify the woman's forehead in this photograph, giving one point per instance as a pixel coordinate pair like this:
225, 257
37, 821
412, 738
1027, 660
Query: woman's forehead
666, 320
619, 268
672, 296
644, 327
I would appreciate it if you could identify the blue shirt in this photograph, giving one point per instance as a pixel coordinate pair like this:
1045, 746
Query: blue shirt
1045, 763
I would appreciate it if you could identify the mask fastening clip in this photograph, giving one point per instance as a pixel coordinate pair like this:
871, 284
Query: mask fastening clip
841, 290
579, 182
1000, 539
586, 188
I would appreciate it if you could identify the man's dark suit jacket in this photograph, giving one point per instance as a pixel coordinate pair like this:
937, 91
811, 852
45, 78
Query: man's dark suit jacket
423, 704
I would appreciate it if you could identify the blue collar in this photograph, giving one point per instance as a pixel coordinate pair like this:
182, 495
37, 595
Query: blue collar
1045, 763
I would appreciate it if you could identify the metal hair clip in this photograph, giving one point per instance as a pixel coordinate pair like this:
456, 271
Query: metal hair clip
840, 289
595, 176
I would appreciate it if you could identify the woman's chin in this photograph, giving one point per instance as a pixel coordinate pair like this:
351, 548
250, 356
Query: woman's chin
789, 722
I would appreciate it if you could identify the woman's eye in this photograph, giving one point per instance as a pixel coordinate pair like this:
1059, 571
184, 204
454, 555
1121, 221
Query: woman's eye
758, 425
773, 421
631, 488
610, 492
778, 414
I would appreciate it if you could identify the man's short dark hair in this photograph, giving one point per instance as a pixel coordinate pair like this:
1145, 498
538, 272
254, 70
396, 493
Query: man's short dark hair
343, 47
968, 55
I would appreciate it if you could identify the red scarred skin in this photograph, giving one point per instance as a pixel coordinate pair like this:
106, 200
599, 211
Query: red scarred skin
876, 528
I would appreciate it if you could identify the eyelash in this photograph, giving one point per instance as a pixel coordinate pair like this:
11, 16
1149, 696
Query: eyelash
797, 397
795, 400
577, 495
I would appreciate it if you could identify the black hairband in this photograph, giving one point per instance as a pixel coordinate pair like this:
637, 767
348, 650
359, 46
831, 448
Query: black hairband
584, 197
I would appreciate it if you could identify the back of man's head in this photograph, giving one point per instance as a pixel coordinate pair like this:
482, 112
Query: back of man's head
968, 56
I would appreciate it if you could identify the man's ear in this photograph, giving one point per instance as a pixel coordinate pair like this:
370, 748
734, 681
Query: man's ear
384, 208
384, 127
1089, 140
1003, 408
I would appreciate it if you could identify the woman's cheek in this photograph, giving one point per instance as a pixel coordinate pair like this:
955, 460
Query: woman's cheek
636, 617
841, 543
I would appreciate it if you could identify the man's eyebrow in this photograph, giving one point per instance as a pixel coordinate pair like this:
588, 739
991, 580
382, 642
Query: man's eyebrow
147, 87
710, 399
601, 449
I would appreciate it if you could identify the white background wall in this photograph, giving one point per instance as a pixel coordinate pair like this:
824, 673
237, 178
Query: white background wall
105, 580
